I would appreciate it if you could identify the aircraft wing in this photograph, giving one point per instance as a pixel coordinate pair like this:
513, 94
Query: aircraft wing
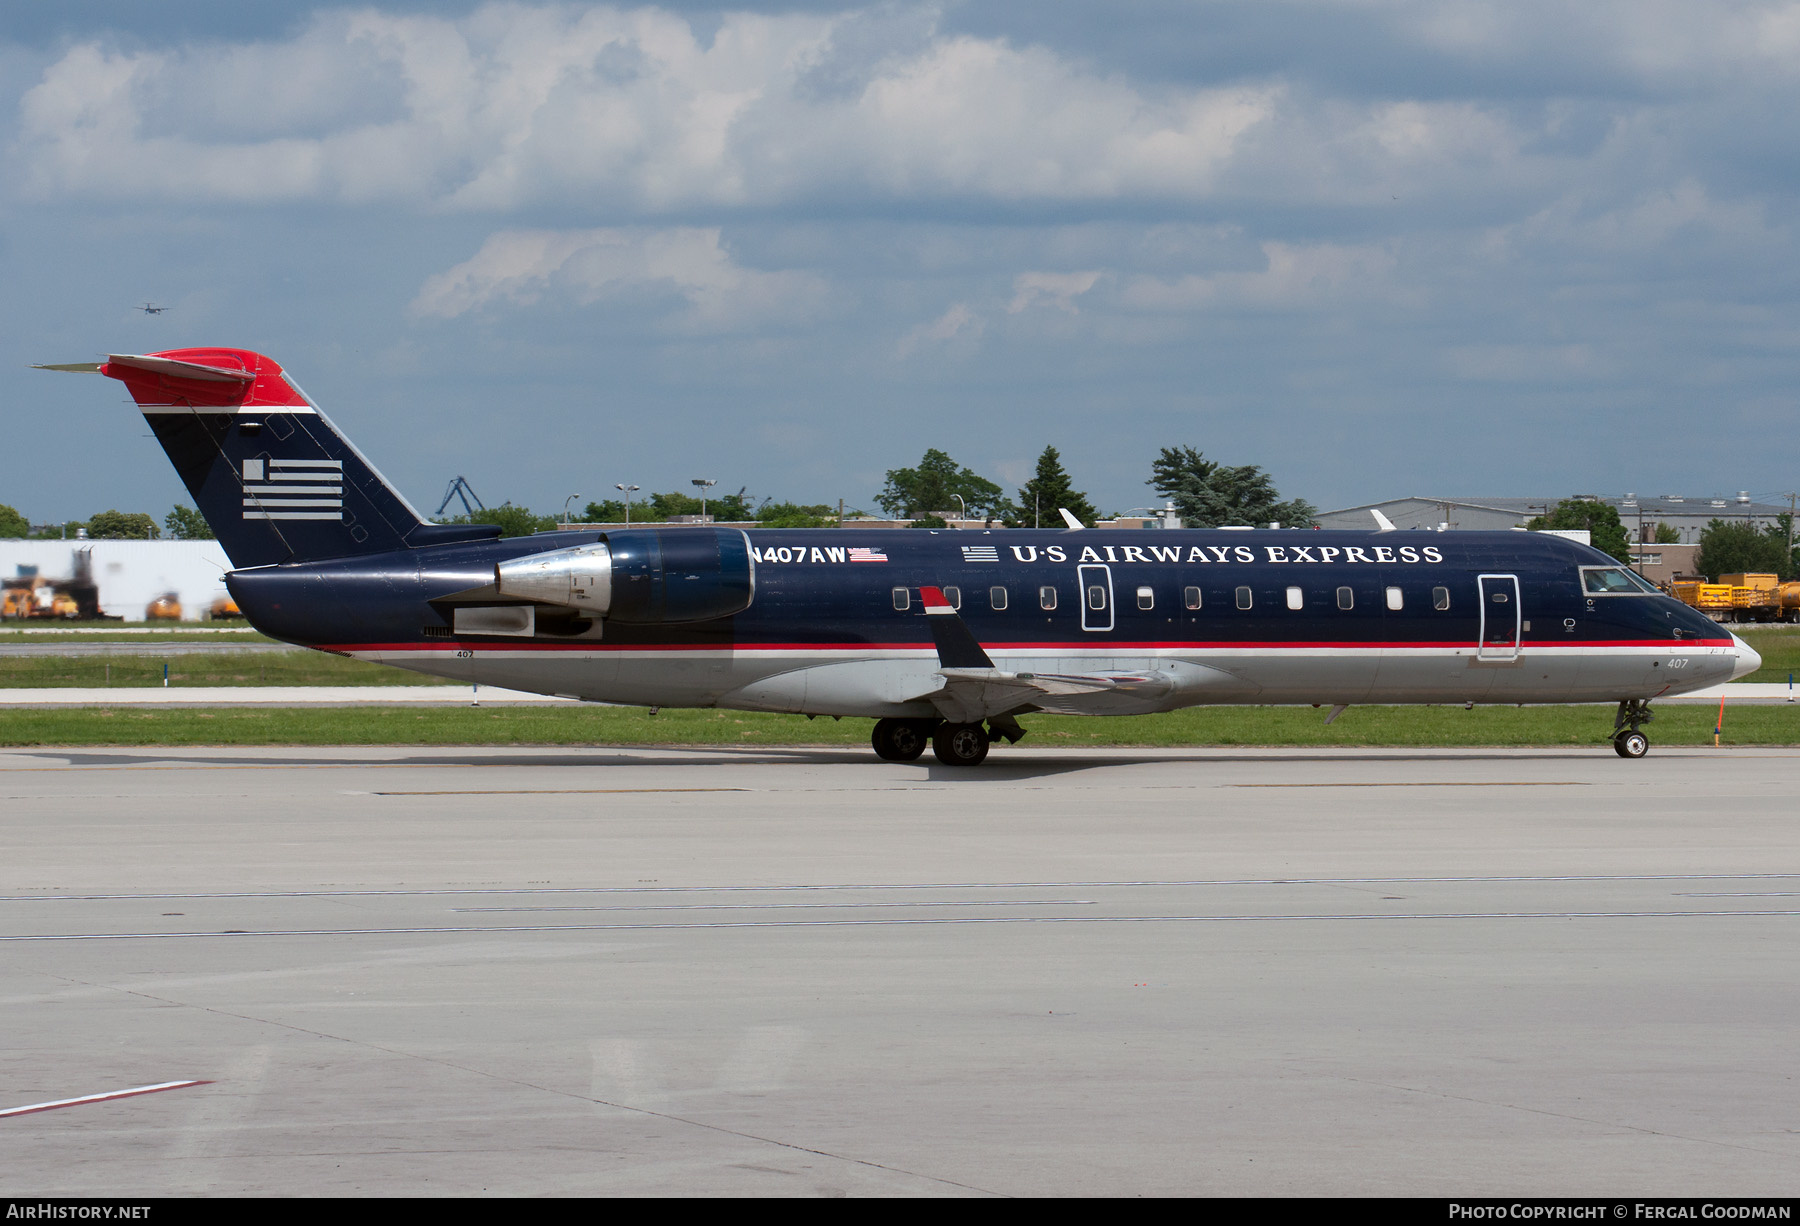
972, 694
973, 689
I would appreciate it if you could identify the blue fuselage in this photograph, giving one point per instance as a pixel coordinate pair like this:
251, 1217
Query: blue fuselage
834, 625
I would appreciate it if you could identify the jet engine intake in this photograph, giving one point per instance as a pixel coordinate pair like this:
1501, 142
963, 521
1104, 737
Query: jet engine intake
643, 576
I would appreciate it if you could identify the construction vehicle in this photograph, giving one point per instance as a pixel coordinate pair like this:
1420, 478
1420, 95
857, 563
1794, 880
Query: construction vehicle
29, 595
165, 608
1743, 597
223, 608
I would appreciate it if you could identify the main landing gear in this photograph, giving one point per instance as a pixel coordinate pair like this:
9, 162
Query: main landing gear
960, 744
1628, 742
904, 740
901, 740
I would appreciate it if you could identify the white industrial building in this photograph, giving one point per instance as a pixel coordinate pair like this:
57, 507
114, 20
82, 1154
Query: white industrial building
129, 574
1688, 515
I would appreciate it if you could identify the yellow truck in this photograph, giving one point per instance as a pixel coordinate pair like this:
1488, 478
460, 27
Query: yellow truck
1743, 597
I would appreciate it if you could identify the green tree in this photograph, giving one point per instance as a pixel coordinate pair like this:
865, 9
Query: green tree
1211, 495
1667, 534
121, 526
611, 511
513, 521
675, 503
186, 524
793, 515
1601, 519
721, 507
13, 524
1048, 490
933, 487
1729, 547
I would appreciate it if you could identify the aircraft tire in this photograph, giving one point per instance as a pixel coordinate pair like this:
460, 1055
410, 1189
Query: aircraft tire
960, 744
899, 740
1632, 744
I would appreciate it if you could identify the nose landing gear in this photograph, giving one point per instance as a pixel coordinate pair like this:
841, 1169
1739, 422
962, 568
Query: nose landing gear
1628, 742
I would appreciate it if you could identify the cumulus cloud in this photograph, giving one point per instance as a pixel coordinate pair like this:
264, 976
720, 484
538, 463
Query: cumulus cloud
632, 112
1057, 289
516, 106
960, 324
518, 267
1295, 277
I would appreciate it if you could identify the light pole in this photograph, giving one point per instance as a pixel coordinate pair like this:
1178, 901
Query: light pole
705, 483
628, 490
566, 502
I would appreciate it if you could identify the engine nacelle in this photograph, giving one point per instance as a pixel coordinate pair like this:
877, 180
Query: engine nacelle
644, 576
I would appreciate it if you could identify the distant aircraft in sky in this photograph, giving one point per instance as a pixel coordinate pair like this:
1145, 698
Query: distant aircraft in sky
150, 308
944, 638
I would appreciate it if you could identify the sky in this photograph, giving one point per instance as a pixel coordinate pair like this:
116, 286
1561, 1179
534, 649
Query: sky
1378, 247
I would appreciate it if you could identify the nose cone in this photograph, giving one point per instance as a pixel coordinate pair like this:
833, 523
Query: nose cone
1748, 659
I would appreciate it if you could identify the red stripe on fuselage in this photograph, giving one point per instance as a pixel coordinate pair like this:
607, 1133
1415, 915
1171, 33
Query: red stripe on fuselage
1080, 644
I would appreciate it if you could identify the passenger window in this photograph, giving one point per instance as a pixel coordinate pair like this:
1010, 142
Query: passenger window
1046, 597
1243, 598
902, 599
1096, 597
1440, 598
1394, 600
1146, 598
954, 596
1296, 598
1190, 596
997, 597
1346, 598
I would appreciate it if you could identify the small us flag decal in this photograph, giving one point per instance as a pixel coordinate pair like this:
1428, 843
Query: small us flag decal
293, 489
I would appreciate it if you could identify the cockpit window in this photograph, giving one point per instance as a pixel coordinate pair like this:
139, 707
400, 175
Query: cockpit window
1613, 581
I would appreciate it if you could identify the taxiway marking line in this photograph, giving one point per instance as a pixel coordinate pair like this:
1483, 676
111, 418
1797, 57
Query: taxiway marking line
553, 791
1446, 783
904, 885
101, 1098
1241, 918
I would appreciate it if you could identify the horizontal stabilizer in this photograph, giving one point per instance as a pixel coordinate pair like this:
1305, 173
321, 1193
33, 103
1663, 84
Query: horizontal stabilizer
178, 369
274, 478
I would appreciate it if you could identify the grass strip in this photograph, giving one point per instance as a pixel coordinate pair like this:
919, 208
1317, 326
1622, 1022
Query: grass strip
1371, 727
129, 632
226, 668
1780, 650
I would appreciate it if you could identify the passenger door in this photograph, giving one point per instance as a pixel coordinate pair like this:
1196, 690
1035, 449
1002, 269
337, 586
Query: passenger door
1502, 618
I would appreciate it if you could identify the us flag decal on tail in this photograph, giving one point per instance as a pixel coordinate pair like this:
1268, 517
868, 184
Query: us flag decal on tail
294, 489
867, 555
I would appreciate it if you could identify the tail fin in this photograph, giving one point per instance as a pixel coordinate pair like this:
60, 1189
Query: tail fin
271, 474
